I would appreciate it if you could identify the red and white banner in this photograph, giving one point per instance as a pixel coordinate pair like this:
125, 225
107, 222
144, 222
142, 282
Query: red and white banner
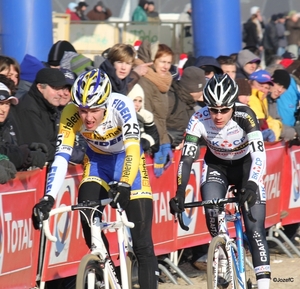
19, 242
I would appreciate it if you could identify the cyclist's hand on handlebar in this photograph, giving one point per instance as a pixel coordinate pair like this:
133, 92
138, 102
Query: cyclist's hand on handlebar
120, 193
248, 194
41, 210
176, 205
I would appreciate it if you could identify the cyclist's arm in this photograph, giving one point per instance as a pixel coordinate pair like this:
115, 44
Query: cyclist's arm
188, 156
132, 160
256, 147
131, 139
258, 156
70, 122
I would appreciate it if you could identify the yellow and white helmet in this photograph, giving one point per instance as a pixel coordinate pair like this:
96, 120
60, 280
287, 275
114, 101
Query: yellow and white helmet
91, 89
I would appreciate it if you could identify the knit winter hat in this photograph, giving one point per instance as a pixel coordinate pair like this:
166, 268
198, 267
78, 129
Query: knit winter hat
281, 77
29, 67
254, 10
193, 79
80, 64
57, 51
136, 91
244, 86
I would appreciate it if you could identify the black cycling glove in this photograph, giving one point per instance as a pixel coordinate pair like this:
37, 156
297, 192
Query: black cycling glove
42, 208
248, 194
177, 203
120, 193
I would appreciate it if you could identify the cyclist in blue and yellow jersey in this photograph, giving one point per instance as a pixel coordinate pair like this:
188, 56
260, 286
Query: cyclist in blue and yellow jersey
109, 125
236, 156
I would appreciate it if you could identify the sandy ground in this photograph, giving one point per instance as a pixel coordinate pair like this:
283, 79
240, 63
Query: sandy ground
285, 274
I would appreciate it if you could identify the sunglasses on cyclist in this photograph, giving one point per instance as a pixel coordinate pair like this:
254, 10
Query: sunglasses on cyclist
219, 110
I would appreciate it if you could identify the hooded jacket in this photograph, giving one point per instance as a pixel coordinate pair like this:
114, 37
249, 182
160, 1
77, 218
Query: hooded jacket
122, 86
29, 67
95, 15
148, 129
244, 56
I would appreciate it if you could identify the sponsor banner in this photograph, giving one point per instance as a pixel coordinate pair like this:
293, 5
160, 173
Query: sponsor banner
163, 226
273, 182
19, 242
290, 202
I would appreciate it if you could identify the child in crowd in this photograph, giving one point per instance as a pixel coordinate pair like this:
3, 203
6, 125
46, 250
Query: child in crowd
148, 130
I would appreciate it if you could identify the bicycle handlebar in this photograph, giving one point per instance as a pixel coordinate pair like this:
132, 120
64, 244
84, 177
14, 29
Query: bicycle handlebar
213, 204
80, 206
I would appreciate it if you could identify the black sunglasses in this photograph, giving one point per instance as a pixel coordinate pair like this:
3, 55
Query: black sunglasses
219, 110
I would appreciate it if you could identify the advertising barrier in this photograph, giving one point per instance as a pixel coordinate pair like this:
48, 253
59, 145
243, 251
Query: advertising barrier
20, 243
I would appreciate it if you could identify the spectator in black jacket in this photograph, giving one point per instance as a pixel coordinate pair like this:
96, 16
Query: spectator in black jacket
271, 40
36, 114
184, 99
24, 156
253, 29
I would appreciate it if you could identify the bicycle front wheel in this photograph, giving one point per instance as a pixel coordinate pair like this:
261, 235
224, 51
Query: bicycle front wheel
250, 273
90, 274
218, 270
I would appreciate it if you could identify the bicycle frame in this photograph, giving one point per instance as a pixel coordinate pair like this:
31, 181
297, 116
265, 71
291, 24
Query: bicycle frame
231, 247
239, 263
121, 226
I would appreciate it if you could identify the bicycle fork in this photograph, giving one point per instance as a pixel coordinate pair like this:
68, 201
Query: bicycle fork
109, 271
239, 262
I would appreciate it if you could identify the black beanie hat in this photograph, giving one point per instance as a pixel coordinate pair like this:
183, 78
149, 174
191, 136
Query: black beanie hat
193, 79
281, 77
57, 51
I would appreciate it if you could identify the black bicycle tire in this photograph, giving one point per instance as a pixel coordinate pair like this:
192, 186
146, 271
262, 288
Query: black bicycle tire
250, 273
215, 243
131, 264
87, 263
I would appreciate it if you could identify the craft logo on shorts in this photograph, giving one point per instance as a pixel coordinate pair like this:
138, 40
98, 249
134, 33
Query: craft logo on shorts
191, 195
63, 224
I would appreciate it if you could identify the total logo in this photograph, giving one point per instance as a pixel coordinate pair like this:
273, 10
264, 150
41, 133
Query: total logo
192, 194
63, 224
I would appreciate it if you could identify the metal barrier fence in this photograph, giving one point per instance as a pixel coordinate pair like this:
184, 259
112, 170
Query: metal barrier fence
91, 38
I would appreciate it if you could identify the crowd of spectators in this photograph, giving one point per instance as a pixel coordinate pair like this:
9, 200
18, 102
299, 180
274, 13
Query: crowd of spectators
43, 87
34, 92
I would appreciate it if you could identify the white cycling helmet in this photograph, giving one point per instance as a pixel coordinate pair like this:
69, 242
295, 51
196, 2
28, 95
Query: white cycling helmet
91, 89
220, 90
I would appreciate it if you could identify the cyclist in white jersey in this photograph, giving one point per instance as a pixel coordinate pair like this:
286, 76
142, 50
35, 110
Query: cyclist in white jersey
109, 125
236, 156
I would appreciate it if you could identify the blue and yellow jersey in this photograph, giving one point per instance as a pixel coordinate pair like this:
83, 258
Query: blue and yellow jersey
118, 133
